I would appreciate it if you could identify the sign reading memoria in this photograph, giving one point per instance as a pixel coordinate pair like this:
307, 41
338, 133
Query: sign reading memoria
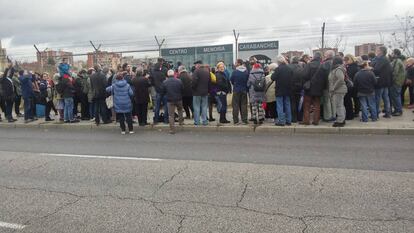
266, 45
228, 48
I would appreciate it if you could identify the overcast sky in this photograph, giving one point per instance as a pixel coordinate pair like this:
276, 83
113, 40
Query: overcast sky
128, 24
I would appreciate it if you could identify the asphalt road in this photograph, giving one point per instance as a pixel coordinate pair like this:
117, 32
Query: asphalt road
50, 181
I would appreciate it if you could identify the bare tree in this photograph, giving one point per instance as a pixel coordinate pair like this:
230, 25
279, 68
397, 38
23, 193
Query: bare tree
403, 38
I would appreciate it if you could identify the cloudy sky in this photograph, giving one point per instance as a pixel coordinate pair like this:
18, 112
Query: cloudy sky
129, 24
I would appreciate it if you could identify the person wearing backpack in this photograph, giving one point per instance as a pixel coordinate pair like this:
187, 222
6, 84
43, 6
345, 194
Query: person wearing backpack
283, 79
257, 88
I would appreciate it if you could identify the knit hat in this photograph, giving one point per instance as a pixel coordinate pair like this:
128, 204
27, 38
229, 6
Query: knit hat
181, 69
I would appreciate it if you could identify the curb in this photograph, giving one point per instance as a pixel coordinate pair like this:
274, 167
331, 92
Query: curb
290, 130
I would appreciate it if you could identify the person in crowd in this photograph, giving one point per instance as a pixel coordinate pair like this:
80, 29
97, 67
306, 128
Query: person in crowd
338, 90
90, 94
297, 90
43, 87
283, 78
409, 79
186, 79
98, 86
351, 101
68, 94
397, 82
239, 79
25, 79
141, 85
257, 88
122, 93
172, 89
158, 76
59, 96
212, 94
49, 98
8, 92
364, 85
329, 113
224, 87
383, 71
2, 104
18, 95
314, 83
270, 111
201, 83
82, 82
64, 68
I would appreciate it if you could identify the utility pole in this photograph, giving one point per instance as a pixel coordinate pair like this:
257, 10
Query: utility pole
236, 38
95, 59
323, 37
40, 56
159, 45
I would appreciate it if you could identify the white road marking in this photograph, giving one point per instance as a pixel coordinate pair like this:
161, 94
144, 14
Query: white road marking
12, 226
100, 157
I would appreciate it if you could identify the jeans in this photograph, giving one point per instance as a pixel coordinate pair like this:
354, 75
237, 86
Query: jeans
338, 101
382, 93
28, 114
68, 110
92, 110
122, 117
200, 105
297, 109
395, 93
158, 100
368, 103
410, 92
284, 112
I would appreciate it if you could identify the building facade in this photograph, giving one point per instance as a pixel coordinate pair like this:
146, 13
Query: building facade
105, 59
364, 49
291, 54
324, 50
52, 57
3, 58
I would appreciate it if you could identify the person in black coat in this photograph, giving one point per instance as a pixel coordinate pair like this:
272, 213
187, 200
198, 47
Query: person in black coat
283, 80
383, 70
98, 85
141, 85
297, 88
351, 101
8, 93
314, 83
157, 77
186, 79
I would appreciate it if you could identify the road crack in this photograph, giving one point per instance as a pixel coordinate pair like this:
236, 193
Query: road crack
169, 180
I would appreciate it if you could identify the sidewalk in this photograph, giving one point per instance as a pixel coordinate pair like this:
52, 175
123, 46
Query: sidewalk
395, 126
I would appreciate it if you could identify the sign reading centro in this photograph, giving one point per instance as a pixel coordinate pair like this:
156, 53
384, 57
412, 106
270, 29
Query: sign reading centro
266, 45
178, 51
227, 48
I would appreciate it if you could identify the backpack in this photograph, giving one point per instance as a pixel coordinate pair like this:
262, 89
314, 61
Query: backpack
60, 87
259, 84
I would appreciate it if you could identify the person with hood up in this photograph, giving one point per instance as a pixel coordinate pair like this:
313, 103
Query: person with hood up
122, 93
257, 88
337, 90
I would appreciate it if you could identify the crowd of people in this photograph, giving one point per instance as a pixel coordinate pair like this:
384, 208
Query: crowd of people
329, 87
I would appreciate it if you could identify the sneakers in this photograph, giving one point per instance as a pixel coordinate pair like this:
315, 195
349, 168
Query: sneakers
123, 133
131, 132
338, 124
397, 114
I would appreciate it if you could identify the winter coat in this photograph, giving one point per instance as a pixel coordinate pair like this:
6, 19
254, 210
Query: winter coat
64, 69
56, 80
7, 88
336, 81
410, 74
201, 82
239, 79
256, 96
122, 93
83, 82
141, 87
283, 78
27, 87
185, 77
173, 89
158, 76
271, 89
98, 85
383, 70
326, 68
351, 70
68, 87
17, 86
297, 78
364, 82
223, 84
398, 74
313, 72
